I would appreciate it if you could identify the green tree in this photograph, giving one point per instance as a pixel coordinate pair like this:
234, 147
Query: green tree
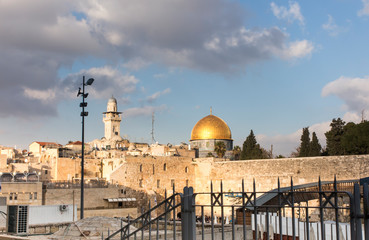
315, 147
220, 148
250, 148
305, 143
334, 137
210, 154
236, 152
355, 139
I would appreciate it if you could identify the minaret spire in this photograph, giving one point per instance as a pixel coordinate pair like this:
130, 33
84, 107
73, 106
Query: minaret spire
211, 110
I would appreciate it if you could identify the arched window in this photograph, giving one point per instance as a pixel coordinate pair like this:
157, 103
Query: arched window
153, 169
141, 168
165, 166
186, 169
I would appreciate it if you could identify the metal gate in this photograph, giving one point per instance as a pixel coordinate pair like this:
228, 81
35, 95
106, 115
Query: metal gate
323, 210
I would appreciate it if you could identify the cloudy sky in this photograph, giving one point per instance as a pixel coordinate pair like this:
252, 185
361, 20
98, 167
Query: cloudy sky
270, 66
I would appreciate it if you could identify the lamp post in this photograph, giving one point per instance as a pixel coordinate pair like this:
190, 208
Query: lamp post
84, 114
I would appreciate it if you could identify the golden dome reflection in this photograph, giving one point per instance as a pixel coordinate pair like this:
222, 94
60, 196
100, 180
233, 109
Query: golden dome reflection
211, 127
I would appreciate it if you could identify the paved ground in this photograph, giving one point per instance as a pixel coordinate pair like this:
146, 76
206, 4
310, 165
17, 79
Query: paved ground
89, 228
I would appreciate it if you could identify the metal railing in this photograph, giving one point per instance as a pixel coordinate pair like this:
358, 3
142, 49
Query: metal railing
312, 211
76, 184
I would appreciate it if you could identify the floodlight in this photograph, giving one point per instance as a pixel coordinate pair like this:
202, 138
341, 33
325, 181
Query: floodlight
79, 92
89, 81
85, 95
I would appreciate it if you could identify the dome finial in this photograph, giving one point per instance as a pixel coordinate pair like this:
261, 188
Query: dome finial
211, 110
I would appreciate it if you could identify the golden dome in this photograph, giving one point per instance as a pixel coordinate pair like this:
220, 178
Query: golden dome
211, 127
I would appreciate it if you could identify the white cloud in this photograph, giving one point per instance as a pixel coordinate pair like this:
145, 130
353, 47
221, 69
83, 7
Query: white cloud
144, 111
136, 64
285, 144
332, 28
297, 49
156, 95
40, 37
353, 91
43, 95
108, 81
291, 14
365, 9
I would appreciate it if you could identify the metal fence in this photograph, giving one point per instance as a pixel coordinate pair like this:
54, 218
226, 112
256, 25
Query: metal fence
76, 184
323, 210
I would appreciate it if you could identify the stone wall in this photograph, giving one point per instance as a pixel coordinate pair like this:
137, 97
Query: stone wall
266, 172
93, 197
155, 174
152, 175
18, 193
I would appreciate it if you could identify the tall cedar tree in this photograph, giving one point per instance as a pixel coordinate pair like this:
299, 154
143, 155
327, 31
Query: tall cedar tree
334, 137
250, 148
305, 143
315, 147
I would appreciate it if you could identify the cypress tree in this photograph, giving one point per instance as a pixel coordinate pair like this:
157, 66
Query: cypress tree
334, 137
250, 148
315, 147
305, 143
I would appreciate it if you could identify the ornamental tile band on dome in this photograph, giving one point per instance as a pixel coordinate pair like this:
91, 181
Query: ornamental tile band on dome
211, 127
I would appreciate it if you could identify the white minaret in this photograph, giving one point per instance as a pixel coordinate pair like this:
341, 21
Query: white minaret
112, 119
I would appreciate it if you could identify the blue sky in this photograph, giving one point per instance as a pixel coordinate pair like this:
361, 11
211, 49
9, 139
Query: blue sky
270, 66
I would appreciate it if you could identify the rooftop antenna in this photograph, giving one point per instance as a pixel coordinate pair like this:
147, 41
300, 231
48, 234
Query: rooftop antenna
152, 128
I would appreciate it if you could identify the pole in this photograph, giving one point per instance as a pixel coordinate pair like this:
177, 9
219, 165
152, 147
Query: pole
83, 148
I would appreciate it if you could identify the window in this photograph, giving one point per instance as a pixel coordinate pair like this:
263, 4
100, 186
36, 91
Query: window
30, 196
46, 172
123, 191
141, 168
187, 183
153, 169
35, 195
186, 169
158, 183
15, 196
165, 166
140, 184
11, 197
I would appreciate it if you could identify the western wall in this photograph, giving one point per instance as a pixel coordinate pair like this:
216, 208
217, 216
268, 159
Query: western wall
157, 174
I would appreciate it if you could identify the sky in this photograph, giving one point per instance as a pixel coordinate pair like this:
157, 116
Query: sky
271, 66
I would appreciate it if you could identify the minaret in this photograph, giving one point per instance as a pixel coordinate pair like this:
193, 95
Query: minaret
112, 119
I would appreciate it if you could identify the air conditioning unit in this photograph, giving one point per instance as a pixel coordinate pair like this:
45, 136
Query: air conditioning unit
17, 219
63, 208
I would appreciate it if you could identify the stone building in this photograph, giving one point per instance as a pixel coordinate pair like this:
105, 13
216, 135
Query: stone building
36, 148
112, 138
207, 132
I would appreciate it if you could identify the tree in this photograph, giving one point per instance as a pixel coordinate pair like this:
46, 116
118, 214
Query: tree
315, 147
305, 143
250, 148
210, 154
220, 149
334, 137
236, 152
355, 139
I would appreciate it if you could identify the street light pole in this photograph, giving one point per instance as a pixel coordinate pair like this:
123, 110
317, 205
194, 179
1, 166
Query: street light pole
83, 104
